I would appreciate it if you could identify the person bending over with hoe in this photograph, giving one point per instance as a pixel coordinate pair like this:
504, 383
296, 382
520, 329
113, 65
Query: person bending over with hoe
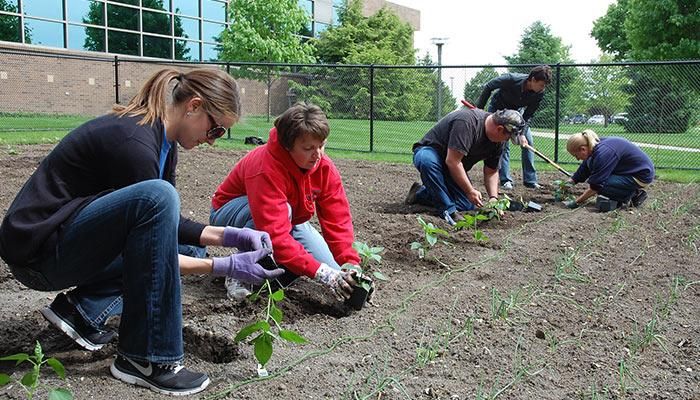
615, 168
450, 149
101, 214
278, 187
517, 91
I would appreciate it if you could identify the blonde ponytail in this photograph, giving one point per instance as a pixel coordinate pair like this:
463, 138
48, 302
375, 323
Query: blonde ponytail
218, 91
586, 138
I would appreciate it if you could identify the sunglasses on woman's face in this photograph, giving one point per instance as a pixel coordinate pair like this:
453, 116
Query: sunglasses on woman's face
216, 131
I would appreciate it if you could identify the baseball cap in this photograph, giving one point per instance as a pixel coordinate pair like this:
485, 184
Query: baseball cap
512, 122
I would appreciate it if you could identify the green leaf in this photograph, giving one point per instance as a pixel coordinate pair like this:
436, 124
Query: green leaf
60, 394
250, 329
276, 314
278, 295
38, 353
29, 379
253, 297
482, 217
292, 336
5, 379
431, 239
377, 249
20, 358
263, 348
380, 276
416, 245
57, 367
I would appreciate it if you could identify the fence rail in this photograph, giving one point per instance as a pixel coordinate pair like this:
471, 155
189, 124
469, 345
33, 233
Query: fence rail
375, 108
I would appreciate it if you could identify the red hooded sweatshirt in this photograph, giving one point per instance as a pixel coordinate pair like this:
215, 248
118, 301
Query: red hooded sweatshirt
271, 179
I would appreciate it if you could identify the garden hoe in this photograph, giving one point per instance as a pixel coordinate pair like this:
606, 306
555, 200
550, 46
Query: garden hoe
527, 146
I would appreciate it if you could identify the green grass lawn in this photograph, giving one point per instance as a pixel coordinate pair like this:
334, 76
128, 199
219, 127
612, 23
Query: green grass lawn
392, 140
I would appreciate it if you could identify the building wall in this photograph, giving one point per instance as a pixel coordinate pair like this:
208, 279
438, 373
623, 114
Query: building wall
40, 82
410, 15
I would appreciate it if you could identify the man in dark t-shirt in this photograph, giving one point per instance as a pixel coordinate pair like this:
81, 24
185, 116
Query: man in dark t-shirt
451, 148
517, 92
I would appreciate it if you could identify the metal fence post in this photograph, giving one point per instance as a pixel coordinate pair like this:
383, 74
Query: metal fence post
116, 79
371, 108
556, 114
228, 71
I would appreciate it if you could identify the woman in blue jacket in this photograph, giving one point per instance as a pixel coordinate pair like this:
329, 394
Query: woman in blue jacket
614, 167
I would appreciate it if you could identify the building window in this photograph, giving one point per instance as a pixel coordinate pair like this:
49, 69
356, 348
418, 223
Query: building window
186, 7
320, 27
87, 12
52, 9
44, 33
123, 43
86, 38
149, 28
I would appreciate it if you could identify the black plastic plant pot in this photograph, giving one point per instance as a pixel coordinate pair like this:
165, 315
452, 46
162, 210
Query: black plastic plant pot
515, 206
358, 298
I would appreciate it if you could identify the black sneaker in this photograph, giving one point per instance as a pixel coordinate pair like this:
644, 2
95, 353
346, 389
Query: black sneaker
173, 379
412, 192
639, 197
64, 316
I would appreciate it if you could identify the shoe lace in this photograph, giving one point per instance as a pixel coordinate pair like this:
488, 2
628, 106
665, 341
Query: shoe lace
174, 367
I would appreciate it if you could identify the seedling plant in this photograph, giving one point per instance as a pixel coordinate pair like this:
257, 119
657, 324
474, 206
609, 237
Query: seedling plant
30, 380
489, 211
368, 256
563, 190
265, 328
431, 236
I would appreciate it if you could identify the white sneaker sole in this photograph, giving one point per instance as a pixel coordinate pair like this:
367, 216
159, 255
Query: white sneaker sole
134, 380
52, 317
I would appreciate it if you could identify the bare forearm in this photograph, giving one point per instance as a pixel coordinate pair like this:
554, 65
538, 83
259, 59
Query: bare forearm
212, 236
491, 181
459, 175
586, 195
191, 265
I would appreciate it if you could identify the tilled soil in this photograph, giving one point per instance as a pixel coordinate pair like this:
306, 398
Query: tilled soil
558, 304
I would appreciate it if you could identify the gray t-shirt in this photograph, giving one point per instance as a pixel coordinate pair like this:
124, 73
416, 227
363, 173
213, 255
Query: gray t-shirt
464, 130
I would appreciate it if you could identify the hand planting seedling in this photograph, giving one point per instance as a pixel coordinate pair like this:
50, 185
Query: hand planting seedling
262, 343
368, 255
30, 380
562, 190
431, 237
363, 290
491, 210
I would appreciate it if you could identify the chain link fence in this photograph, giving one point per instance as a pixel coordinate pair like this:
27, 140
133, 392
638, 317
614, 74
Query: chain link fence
371, 108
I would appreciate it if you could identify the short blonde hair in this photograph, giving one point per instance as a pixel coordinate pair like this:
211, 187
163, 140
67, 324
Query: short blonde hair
585, 138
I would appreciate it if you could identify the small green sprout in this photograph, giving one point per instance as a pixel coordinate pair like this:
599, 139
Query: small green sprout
30, 380
432, 233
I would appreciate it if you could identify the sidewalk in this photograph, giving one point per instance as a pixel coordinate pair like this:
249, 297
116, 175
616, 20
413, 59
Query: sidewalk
649, 145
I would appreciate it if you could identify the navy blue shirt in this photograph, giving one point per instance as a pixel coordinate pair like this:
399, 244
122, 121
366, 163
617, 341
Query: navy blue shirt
614, 156
510, 94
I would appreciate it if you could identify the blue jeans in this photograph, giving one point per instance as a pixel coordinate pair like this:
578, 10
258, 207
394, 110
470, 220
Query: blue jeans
236, 213
120, 253
528, 162
439, 189
620, 188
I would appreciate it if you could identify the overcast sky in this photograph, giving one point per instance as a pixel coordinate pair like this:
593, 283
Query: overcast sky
482, 32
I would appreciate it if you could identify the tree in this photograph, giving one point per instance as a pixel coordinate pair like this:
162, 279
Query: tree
539, 46
654, 30
657, 30
473, 88
604, 91
399, 93
266, 31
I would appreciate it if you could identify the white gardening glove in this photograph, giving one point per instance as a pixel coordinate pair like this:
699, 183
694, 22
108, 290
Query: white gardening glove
340, 282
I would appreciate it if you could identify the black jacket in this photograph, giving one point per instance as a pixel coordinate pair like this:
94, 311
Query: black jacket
100, 156
510, 95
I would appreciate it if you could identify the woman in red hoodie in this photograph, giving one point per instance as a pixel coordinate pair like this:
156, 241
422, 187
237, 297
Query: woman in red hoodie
278, 187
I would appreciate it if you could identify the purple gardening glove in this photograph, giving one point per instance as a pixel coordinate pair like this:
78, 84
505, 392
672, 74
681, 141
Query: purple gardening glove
246, 239
245, 267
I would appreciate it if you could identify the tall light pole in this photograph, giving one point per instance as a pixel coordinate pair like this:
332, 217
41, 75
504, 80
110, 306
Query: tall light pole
439, 41
452, 85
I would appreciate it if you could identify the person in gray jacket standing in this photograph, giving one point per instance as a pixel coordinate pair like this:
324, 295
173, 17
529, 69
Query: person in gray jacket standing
517, 91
